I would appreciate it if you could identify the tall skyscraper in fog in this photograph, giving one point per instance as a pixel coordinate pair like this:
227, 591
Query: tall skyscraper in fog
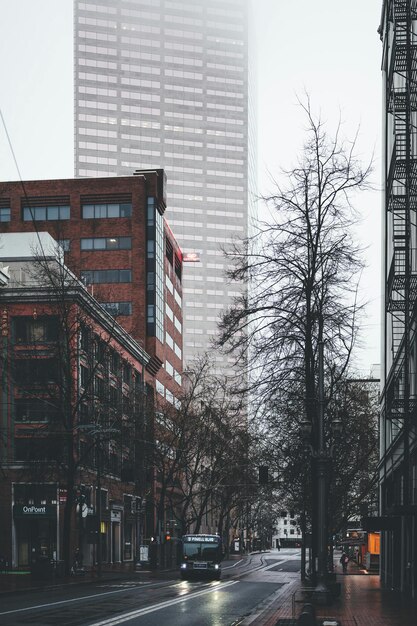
169, 84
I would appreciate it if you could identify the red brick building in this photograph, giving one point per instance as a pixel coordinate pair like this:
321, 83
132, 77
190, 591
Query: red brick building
116, 239
73, 418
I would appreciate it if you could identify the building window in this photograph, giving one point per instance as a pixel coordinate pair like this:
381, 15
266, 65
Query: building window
107, 243
65, 244
38, 449
84, 377
114, 362
99, 387
95, 211
5, 214
127, 373
155, 271
40, 330
92, 277
46, 213
118, 308
178, 267
169, 250
36, 371
33, 410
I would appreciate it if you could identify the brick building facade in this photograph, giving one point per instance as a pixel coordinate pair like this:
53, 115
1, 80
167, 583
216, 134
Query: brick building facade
73, 419
115, 238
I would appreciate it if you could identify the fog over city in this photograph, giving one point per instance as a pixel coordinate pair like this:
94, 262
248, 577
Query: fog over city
331, 49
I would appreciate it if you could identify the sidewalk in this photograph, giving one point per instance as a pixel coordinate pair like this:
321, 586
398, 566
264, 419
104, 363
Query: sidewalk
362, 602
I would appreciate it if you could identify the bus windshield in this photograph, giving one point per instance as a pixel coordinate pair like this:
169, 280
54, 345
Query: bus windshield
202, 548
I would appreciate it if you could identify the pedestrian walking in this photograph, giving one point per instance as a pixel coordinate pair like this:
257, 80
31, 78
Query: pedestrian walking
344, 559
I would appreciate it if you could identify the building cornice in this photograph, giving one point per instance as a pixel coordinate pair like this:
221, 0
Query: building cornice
79, 295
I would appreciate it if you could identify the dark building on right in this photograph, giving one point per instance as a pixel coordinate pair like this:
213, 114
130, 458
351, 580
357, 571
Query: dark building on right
398, 426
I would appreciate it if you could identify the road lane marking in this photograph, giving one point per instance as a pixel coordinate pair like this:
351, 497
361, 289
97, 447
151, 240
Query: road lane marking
113, 621
234, 565
94, 595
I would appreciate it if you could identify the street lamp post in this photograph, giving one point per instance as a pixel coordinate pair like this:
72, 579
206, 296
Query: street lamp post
321, 456
98, 507
322, 463
96, 431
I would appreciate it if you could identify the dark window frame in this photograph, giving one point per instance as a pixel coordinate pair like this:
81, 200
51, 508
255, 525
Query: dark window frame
101, 210
30, 214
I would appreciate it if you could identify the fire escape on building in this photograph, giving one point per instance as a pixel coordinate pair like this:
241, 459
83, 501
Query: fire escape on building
401, 207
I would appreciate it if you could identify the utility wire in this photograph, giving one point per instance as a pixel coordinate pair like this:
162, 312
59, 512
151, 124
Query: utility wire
22, 184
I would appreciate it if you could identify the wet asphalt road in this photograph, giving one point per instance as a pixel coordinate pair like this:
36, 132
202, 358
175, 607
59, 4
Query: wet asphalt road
143, 601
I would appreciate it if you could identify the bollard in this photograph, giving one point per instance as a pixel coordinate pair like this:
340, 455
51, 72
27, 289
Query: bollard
307, 616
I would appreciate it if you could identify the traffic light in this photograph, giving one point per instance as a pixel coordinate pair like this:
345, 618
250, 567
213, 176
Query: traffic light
167, 537
263, 474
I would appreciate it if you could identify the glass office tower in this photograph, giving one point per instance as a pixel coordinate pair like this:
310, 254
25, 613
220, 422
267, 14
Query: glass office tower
169, 84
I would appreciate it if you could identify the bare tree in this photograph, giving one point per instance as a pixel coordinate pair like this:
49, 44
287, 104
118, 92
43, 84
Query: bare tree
200, 453
302, 268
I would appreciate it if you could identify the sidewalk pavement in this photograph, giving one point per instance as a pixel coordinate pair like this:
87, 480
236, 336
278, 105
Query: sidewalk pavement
362, 602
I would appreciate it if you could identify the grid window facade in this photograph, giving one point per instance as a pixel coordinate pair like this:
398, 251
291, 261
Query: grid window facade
197, 55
